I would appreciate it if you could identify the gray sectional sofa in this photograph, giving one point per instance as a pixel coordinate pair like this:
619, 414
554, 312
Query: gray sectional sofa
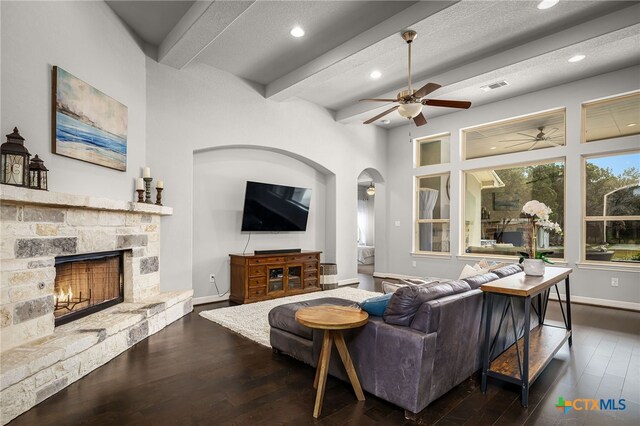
428, 341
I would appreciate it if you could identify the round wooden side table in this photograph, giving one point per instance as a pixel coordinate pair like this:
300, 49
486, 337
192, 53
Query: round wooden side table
333, 319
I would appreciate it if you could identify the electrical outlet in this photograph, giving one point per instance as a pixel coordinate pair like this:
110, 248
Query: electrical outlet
614, 282
212, 278
414, 263
397, 223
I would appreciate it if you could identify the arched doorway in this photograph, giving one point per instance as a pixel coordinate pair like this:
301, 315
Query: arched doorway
369, 182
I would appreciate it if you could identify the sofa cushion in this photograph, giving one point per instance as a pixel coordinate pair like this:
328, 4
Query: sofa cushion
391, 287
477, 280
284, 316
507, 270
376, 305
406, 300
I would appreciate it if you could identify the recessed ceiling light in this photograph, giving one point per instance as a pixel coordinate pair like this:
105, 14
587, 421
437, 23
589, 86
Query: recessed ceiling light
296, 32
494, 147
385, 121
577, 58
375, 74
632, 124
546, 4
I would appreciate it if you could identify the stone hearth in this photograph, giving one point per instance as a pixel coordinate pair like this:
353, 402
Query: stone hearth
38, 360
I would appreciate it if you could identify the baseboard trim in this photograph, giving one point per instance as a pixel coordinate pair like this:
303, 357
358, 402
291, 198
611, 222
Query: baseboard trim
348, 281
606, 303
209, 299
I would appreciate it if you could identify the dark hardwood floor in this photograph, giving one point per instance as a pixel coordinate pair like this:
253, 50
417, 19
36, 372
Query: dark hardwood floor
196, 372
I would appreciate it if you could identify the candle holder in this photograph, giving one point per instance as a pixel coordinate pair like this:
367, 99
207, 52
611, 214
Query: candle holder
140, 195
147, 186
159, 196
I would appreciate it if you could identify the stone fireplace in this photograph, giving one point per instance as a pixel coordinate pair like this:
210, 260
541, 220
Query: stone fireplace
79, 284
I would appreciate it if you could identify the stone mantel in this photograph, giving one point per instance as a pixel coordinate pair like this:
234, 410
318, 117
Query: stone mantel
17, 195
39, 359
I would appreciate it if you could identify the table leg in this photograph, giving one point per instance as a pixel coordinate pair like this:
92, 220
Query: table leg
348, 364
567, 291
323, 367
487, 338
525, 360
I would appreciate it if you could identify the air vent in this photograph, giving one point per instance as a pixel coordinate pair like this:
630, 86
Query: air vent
494, 86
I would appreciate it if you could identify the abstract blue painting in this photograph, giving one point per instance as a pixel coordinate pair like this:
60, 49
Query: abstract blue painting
87, 124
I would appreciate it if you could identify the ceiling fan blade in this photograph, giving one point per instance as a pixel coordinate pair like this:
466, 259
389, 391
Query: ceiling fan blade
426, 89
552, 131
447, 103
420, 120
378, 100
533, 146
524, 134
518, 140
379, 116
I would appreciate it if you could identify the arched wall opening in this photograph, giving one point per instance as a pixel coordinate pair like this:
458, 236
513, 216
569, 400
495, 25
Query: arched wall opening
219, 181
370, 199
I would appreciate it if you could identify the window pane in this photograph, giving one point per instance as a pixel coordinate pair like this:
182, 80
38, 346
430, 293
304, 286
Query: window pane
612, 118
433, 237
616, 241
613, 185
494, 200
538, 131
433, 197
433, 150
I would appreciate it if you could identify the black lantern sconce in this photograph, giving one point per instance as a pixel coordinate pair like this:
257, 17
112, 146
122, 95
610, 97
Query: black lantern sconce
14, 166
37, 174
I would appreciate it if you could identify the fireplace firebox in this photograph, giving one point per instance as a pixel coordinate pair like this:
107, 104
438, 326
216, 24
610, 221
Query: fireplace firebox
87, 283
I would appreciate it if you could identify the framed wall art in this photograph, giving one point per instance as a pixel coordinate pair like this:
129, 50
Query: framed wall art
87, 124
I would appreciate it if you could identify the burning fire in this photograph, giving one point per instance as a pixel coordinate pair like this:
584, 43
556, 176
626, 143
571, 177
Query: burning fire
63, 296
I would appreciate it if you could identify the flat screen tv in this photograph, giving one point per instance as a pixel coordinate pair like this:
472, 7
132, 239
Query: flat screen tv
275, 208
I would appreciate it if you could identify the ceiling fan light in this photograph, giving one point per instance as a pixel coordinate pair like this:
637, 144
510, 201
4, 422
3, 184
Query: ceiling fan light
547, 4
410, 110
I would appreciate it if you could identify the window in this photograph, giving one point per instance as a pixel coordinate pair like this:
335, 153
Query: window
432, 214
611, 118
612, 209
532, 132
493, 200
432, 150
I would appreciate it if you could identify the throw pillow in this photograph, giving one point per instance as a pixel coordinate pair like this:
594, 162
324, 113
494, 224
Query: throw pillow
470, 271
407, 300
388, 287
376, 305
413, 281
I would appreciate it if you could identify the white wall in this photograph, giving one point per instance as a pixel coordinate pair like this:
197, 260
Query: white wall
200, 107
88, 40
586, 282
217, 218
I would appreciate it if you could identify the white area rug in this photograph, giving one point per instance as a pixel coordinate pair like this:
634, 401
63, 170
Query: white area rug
251, 320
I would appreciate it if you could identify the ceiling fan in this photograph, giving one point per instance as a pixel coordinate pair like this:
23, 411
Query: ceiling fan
540, 137
411, 101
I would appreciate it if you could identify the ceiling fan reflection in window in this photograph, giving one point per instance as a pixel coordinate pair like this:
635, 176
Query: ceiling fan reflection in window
541, 137
411, 101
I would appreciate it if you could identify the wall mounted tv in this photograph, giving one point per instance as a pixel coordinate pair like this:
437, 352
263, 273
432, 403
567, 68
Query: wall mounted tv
275, 208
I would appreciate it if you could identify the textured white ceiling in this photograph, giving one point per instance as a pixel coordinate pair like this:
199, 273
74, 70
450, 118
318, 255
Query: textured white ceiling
258, 46
461, 45
151, 20
457, 35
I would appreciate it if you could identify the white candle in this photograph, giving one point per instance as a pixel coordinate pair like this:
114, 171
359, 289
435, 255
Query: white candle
139, 183
160, 184
147, 172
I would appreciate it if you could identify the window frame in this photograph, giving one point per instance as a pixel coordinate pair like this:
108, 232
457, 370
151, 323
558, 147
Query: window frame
510, 120
598, 102
583, 234
416, 216
463, 191
417, 142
